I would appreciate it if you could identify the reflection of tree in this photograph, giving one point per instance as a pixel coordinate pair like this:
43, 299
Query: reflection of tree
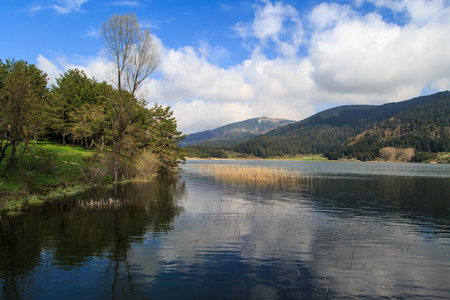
75, 233
20, 250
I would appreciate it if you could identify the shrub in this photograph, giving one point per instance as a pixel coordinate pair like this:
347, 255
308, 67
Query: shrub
95, 169
43, 161
146, 164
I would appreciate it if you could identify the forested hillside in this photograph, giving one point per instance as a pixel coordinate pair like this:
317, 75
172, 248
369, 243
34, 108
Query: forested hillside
361, 131
426, 128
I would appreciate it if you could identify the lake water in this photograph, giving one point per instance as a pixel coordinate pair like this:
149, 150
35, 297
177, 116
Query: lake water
350, 230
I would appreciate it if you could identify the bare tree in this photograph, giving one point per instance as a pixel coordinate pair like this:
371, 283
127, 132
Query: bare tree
133, 57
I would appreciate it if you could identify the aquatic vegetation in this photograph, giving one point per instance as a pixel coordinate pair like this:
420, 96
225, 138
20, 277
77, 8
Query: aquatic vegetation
255, 175
100, 203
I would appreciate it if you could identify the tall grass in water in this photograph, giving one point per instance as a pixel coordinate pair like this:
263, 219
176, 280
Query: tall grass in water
254, 175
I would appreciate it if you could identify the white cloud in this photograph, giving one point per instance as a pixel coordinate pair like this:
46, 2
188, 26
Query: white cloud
52, 70
92, 66
92, 33
127, 3
363, 54
275, 23
31, 9
68, 6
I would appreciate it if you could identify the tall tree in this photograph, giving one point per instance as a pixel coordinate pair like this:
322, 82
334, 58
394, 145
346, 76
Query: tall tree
23, 107
133, 57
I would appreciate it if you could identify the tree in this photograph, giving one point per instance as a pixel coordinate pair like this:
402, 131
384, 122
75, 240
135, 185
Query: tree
133, 57
162, 137
23, 107
77, 98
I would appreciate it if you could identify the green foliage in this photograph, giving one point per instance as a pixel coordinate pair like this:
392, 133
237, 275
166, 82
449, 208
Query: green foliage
79, 109
23, 107
162, 137
423, 157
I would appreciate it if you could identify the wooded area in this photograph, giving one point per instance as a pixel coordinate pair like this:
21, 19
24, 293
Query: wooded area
77, 110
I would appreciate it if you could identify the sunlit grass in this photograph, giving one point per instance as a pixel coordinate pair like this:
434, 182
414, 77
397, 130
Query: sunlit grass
254, 175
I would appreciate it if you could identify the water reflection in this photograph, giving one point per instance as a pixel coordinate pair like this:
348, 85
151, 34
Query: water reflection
192, 237
44, 245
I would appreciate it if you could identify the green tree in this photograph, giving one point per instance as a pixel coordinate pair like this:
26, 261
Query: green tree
77, 103
162, 136
23, 107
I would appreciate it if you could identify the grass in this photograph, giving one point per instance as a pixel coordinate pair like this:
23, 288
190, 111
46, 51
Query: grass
47, 170
254, 175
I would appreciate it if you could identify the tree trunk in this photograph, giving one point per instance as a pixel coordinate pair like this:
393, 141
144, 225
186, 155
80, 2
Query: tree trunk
12, 155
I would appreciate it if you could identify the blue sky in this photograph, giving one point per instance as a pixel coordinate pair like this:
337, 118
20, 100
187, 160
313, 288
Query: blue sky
227, 61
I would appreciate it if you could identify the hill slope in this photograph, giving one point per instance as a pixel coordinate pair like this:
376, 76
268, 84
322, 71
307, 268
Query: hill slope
234, 133
331, 131
426, 128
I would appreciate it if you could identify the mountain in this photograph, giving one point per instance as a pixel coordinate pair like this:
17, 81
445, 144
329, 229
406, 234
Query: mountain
234, 133
361, 130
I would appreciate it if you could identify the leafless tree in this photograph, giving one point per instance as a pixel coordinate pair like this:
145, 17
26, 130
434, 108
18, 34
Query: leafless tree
133, 57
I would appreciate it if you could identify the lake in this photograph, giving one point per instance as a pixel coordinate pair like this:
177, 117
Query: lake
349, 230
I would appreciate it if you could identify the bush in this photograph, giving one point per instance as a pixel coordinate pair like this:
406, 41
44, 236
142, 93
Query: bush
95, 169
423, 156
43, 161
144, 165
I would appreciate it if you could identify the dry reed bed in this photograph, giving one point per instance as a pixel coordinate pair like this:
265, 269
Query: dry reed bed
255, 175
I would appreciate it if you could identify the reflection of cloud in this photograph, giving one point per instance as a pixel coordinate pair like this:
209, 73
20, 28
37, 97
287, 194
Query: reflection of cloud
252, 235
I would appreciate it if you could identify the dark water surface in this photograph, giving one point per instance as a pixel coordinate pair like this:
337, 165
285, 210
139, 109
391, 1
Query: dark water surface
351, 230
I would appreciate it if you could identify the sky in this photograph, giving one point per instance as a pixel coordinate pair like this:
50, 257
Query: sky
224, 61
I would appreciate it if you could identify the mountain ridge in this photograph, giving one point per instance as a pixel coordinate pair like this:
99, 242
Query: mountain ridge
233, 133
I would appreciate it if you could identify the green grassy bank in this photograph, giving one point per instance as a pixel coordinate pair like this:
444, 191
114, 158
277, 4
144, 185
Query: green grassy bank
47, 170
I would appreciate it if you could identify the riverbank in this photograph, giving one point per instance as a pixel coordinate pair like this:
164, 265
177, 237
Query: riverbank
51, 171
47, 170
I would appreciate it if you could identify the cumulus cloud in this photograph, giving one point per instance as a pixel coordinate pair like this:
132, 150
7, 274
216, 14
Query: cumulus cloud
276, 24
93, 67
203, 94
334, 54
364, 54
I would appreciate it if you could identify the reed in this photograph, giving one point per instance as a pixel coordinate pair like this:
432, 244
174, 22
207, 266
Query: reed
100, 203
255, 175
